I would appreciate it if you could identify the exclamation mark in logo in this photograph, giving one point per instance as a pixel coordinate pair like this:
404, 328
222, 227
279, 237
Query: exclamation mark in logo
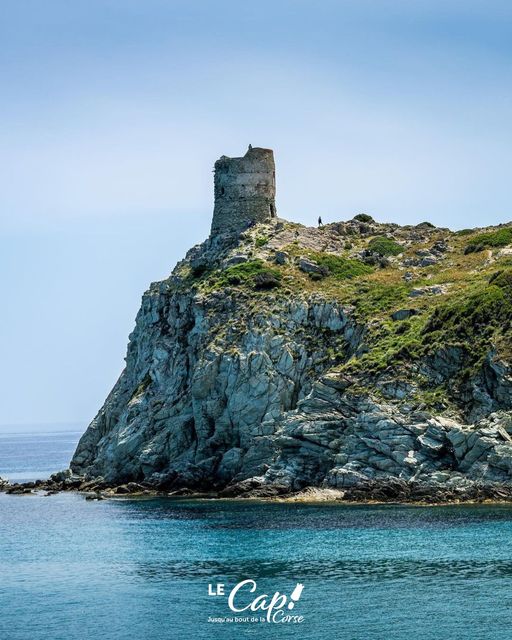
295, 595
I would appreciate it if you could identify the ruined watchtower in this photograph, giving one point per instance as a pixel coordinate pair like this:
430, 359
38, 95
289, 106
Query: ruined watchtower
245, 190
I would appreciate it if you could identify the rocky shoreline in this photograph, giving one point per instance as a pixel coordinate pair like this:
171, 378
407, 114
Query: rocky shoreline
391, 491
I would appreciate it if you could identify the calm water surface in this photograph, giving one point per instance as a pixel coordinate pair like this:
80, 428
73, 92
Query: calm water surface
126, 569
35, 454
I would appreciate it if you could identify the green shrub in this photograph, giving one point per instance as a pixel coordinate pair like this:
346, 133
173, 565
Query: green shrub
434, 399
341, 268
471, 320
261, 241
464, 232
474, 248
384, 246
199, 270
499, 238
503, 280
253, 273
373, 298
390, 344
363, 217
239, 273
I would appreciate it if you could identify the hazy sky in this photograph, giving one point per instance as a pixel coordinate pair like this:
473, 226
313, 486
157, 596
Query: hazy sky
112, 114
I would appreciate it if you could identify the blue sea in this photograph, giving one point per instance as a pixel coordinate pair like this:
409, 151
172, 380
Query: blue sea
31, 452
127, 569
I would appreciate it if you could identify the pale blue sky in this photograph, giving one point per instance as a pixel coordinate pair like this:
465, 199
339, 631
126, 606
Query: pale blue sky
113, 112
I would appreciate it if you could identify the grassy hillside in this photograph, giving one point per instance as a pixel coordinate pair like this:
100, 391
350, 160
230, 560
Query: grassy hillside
435, 303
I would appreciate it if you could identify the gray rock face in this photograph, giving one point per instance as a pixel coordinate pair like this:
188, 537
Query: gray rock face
433, 290
403, 314
308, 266
339, 441
207, 381
281, 257
428, 261
231, 387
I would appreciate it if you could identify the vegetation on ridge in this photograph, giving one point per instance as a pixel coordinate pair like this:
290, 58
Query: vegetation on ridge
339, 267
429, 303
385, 246
498, 238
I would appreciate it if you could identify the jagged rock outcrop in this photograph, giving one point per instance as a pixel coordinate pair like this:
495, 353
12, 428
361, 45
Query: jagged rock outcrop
207, 378
282, 358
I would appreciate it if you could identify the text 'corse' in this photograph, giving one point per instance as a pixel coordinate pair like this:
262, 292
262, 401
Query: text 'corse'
242, 598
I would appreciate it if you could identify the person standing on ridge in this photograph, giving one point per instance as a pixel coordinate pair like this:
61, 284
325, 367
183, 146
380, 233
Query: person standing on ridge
320, 221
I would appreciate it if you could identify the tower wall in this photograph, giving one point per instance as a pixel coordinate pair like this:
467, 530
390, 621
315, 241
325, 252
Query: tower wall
245, 190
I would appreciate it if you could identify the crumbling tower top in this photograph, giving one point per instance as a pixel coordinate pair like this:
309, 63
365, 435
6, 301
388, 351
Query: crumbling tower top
245, 190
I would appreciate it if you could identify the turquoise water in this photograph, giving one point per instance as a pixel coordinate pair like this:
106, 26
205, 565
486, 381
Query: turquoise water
126, 569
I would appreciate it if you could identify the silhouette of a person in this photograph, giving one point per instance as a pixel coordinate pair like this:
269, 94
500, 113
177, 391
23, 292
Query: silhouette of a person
319, 221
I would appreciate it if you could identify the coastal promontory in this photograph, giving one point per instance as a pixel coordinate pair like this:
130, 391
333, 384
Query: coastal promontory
361, 356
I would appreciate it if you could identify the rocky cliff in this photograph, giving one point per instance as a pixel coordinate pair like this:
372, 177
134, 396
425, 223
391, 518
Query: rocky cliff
357, 356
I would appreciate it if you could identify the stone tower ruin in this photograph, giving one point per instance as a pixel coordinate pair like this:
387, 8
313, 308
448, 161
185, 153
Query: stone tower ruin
245, 191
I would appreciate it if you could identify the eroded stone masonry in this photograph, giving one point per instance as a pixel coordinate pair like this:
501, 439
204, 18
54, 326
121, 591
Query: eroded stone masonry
245, 191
